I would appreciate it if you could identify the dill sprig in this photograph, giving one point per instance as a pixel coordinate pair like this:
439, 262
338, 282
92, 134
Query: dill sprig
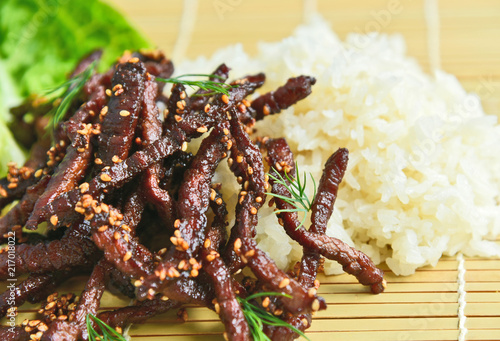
256, 317
207, 85
297, 188
63, 95
108, 333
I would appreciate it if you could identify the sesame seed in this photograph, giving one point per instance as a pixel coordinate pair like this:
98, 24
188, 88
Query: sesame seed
127, 256
250, 253
253, 210
239, 158
124, 113
184, 146
225, 99
207, 243
137, 283
266, 110
177, 118
202, 129
177, 223
98, 161
54, 220
134, 60
237, 245
102, 228
104, 110
315, 305
117, 235
284, 283
182, 95
38, 173
265, 302
105, 177
207, 108
108, 92
311, 292
250, 170
194, 273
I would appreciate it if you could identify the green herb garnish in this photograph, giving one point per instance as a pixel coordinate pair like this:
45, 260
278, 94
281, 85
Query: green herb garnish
66, 93
256, 317
108, 333
207, 85
296, 187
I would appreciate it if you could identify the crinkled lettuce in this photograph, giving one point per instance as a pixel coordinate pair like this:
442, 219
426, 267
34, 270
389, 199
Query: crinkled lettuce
40, 43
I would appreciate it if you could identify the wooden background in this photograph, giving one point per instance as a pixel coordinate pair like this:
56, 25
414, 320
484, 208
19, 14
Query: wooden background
463, 40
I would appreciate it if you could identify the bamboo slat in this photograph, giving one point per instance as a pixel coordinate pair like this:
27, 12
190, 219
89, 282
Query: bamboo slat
422, 306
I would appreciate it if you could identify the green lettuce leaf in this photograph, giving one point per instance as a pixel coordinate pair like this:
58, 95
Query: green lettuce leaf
42, 40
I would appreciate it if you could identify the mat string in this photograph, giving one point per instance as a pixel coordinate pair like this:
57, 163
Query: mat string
186, 28
461, 298
431, 10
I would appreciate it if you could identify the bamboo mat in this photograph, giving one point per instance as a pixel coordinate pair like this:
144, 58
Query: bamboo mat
423, 306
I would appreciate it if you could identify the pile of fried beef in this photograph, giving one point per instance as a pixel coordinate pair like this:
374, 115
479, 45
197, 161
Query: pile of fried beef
126, 203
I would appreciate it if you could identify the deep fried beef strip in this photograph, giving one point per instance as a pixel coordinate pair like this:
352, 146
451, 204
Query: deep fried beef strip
151, 129
33, 289
132, 211
88, 304
18, 215
68, 174
248, 167
264, 267
353, 262
191, 207
294, 90
322, 208
281, 157
114, 238
192, 204
74, 249
113, 177
124, 107
138, 313
229, 308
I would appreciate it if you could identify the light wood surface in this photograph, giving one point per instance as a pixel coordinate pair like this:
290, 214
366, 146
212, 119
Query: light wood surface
419, 307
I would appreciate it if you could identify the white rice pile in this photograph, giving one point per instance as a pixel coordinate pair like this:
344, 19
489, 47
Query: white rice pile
424, 172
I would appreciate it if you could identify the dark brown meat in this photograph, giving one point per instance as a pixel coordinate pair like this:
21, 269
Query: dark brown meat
33, 289
120, 120
19, 214
72, 250
285, 96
